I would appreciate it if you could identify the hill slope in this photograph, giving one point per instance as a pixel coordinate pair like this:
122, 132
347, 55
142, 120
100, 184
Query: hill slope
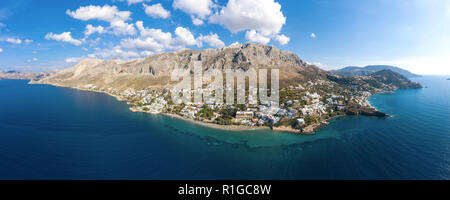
155, 70
393, 78
367, 70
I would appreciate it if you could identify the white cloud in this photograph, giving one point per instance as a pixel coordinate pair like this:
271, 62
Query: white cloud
157, 41
93, 42
35, 59
197, 21
107, 13
74, 59
142, 44
115, 52
2, 25
184, 37
264, 16
122, 28
63, 37
1, 50
282, 39
156, 11
253, 36
104, 13
14, 40
197, 9
234, 44
147, 53
130, 2
92, 29
157, 34
28, 41
212, 40
313, 35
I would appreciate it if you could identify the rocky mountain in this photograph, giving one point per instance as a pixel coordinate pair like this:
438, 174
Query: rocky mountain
154, 71
367, 70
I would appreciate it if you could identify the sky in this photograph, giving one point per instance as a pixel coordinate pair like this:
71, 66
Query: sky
41, 35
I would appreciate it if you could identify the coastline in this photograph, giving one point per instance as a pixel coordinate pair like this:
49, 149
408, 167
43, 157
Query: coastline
210, 125
309, 130
218, 126
206, 124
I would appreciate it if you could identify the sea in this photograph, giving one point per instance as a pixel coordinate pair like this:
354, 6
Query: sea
54, 133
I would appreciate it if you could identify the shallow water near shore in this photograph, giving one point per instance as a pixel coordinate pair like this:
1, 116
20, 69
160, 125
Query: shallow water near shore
51, 132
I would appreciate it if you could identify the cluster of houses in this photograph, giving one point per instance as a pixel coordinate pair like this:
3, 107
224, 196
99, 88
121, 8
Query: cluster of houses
156, 101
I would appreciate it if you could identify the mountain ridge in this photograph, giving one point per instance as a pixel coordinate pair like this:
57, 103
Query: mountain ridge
154, 71
370, 69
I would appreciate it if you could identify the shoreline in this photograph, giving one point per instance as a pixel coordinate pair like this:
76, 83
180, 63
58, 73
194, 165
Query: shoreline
218, 126
206, 124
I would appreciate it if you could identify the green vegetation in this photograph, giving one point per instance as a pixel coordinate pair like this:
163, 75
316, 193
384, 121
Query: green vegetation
288, 94
241, 107
289, 122
206, 112
226, 116
177, 109
312, 120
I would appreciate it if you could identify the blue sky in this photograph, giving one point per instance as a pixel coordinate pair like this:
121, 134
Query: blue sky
39, 35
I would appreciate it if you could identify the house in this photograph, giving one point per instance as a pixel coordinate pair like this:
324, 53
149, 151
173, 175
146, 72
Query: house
301, 121
314, 96
281, 112
338, 108
244, 115
290, 115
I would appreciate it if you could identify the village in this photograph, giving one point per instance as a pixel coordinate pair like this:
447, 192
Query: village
300, 110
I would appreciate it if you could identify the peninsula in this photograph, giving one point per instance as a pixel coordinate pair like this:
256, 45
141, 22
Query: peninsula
309, 96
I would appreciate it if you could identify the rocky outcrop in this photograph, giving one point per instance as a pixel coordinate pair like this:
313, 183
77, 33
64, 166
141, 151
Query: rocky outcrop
363, 110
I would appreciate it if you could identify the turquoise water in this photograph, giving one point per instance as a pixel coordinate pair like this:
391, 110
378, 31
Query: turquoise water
49, 132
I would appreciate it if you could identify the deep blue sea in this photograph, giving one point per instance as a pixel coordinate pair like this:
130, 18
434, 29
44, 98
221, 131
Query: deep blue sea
49, 132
